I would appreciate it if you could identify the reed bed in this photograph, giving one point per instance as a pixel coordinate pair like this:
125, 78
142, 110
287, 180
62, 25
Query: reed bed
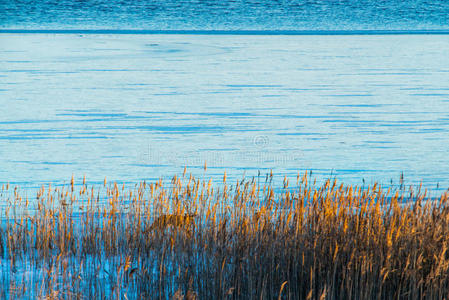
191, 239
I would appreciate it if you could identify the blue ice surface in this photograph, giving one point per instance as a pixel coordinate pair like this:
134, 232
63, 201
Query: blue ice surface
361, 107
136, 90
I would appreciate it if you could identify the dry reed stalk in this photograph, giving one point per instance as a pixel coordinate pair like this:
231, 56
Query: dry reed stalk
192, 239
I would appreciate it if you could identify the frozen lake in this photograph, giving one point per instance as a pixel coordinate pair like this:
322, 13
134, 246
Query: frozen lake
134, 107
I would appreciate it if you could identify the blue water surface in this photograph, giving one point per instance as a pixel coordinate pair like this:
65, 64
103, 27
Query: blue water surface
225, 14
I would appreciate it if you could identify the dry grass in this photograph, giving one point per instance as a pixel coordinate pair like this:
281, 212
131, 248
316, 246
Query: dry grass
192, 240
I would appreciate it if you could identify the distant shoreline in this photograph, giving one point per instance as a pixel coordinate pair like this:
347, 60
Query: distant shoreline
226, 32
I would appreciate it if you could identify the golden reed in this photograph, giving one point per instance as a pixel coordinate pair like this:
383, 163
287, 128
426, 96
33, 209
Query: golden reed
192, 239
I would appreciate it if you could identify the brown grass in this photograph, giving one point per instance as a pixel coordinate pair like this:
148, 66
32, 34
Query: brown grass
180, 222
193, 240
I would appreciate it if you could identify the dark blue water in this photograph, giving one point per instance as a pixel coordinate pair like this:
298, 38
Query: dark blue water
225, 14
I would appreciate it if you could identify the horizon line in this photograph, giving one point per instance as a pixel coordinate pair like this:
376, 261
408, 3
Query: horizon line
228, 32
